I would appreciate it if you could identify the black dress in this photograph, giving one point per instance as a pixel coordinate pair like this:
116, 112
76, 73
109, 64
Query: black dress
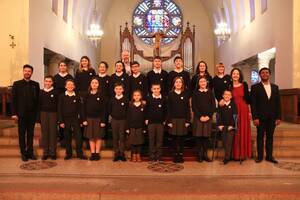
221, 84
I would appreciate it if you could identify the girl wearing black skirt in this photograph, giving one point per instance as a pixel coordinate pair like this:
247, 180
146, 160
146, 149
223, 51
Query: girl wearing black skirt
178, 117
93, 114
136, 124
203, 106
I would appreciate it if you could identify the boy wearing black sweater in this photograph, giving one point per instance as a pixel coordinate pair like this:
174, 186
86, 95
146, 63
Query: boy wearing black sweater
117, 109
48, 116
69, 107
155, 119
227, 115
137, 81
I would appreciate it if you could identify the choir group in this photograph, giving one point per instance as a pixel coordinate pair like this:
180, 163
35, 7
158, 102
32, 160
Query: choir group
138, 105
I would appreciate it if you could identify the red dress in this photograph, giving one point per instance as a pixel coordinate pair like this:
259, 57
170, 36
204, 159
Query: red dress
244, 128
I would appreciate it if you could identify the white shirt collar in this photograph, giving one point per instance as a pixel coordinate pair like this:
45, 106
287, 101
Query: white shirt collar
268, 89
136, 75
48, 90
137, 104
119, 97
177, 92
178, 70
102, 75
119, 73
157, 71
63, 74
70, 94
227, 103
157, 97
203, 90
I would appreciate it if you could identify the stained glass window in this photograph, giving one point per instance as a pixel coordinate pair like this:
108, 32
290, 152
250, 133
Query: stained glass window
151, 16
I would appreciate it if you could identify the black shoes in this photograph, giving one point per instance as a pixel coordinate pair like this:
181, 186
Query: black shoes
82, 157
116, 158
53, 157
178, 158
272, 160
31, 157
225, 161
121, 158
24, 158
45, 157
68, 157
95, 157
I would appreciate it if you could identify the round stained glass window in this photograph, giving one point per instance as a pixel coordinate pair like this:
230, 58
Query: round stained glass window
151, 16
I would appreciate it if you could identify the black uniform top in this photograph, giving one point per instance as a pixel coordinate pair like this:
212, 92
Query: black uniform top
25, 97
160, 78
124, 79
195, 82
221, 84
226, 114
83, 79
48, 101
68, 107
156, 110
136, 116
105, 85
94, 106
178, 106
184, 75
59, 82
138, 83
203, 104
117, 108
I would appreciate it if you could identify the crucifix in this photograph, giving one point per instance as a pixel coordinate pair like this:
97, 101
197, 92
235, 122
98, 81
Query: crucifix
12, 45
158, 36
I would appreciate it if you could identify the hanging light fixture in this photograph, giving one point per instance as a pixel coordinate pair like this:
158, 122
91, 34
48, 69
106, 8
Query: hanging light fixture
222, 31
94, 32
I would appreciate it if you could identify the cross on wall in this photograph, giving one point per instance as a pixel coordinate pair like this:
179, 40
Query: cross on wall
13, 44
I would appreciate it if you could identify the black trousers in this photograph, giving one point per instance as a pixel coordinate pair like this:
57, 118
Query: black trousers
118, 131
202, 145
26, 132
49, 132
156, 134
178, 144
228, 136
265, 127
72, 125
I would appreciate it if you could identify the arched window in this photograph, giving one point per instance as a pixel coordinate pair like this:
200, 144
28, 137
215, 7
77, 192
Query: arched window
151, 16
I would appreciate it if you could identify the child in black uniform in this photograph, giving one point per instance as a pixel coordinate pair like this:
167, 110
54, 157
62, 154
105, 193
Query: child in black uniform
178, 72
227, 116
158, 75
136, 124
93, 116
120, 77
178, 117
69, 107
137, 81
201, 70
118, 110
48, 117
203, 106
155, 119
59, 85
104, 79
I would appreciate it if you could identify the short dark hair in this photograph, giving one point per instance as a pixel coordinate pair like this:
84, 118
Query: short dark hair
69, 80
241, 79
157, 57
227, 90
105, 63
156, 83
120, 61
50, 77
62, 61
265, 68
134, 63
28, 66
119, 84
177, 57
198, 70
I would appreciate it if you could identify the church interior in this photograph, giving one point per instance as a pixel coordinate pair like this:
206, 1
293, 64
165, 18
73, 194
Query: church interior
244, 34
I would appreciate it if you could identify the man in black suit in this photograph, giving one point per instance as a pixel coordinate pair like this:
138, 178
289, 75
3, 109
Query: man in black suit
266, 113
25, 94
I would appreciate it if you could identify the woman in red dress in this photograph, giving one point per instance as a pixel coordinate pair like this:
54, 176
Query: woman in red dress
242, 148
